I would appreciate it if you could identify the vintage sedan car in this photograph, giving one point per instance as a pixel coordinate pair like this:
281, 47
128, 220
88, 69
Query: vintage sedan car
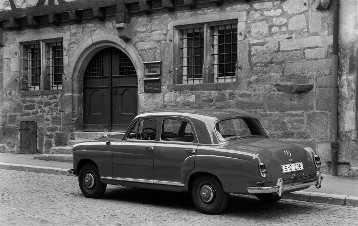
209, 153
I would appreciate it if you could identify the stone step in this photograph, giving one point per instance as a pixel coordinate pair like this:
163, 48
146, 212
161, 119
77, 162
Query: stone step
70, 143
96, 135
62, 150
56, 157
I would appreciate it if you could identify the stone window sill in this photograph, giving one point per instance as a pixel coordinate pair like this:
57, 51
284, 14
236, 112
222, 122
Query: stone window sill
40, 93
205, 86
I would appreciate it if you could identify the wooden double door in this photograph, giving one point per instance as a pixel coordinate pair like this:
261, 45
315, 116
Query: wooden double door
110, 96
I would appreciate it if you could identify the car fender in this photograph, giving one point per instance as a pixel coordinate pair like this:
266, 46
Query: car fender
235, 174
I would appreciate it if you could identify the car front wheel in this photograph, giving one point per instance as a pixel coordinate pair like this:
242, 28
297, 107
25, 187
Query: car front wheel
269, 198
208, 195
90, 182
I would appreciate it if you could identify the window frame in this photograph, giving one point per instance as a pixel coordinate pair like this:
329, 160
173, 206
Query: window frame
208, 74
46, 63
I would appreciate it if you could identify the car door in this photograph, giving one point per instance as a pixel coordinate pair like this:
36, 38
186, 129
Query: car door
174, 154
133, 156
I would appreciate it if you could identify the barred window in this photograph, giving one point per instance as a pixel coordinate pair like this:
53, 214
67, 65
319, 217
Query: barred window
193, 55
33, 65
43, 65
225, 52
55, 67
208, 53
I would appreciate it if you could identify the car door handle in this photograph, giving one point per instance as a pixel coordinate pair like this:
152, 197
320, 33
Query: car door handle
190, 151
149, 148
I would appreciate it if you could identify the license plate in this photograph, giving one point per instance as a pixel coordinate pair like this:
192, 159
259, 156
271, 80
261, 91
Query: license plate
288, 168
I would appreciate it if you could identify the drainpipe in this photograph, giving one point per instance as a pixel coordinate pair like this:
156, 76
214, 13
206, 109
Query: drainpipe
334, 110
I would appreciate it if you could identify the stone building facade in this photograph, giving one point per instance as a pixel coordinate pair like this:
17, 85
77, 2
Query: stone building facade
272, 58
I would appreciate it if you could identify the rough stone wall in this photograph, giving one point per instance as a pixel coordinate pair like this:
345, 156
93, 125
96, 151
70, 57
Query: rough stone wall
285, 42
52, 110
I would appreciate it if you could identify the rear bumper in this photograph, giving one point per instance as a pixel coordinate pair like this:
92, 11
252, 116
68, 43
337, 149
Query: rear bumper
280, 187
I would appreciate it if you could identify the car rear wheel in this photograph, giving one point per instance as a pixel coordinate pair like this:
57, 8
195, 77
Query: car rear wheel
90, 182
208, 195
269, 198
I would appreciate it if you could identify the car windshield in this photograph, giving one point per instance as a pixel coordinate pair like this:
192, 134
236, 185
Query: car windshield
235, 128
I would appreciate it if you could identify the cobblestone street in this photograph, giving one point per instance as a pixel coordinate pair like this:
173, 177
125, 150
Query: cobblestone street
28, 198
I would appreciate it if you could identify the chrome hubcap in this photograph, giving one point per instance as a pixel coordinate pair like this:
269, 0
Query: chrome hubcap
207, 193
89, 180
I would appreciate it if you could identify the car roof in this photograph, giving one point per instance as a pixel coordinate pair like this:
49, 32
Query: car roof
217, 113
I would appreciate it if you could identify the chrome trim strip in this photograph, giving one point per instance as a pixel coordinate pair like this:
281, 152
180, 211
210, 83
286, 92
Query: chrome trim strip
169, 183
129, 180
145, 181
275, 189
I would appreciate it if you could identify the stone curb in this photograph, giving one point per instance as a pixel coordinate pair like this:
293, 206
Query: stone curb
36, 169
343, 200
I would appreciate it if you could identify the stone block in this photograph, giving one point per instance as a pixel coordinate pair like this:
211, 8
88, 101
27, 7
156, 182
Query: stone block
283, 102
315, 22
264, 47
259, 29
287, 56
295, 6
29, 107
56, 120
297, 23
318, 124
321, 66
48, 145
324, 99
274, 12
279, 21
263, 5
317, 53
308, 42
12, 119
60, 139
248, 105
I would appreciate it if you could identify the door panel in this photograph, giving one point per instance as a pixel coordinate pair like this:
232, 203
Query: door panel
133, 161
168, 161
126, 106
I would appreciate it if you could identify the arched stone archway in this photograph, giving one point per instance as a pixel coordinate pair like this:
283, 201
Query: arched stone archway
84, 54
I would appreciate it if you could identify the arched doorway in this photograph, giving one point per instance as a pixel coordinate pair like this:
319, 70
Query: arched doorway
109, 91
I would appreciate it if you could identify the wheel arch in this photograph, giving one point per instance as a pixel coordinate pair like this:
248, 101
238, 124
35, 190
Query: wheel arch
196, 175
84, 162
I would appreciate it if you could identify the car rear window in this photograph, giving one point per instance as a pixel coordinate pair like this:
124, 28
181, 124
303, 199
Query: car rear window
238, 128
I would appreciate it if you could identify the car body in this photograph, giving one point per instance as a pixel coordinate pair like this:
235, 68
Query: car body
208, 152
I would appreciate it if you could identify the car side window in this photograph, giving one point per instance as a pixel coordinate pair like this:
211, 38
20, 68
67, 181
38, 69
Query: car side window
177, 129
143, 129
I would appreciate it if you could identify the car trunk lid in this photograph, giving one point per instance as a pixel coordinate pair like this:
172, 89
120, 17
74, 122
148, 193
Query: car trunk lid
282, 159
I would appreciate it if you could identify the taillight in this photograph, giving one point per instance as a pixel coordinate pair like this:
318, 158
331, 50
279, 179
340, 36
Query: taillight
262, 169
317, 160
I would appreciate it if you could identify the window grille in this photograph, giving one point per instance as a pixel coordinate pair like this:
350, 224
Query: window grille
225, 52
96, 68
157, 4
179, 2
192, 55
55, 60
33, 65
125, 66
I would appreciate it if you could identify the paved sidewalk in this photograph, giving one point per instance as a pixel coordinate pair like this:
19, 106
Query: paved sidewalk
335, 190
